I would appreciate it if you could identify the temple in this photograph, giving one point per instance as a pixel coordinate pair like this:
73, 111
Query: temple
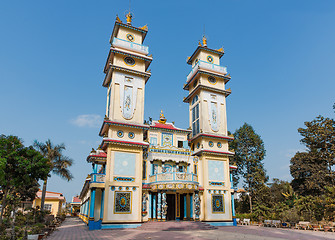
152, 170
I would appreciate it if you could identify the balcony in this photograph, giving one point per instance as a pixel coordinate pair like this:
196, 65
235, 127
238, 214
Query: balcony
173, 177
117, 42
97, 178
206, 66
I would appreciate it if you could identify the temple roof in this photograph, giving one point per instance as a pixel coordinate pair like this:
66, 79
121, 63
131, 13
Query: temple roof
167, 126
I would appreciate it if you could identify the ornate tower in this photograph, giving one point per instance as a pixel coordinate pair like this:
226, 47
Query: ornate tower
206, 84
127, 72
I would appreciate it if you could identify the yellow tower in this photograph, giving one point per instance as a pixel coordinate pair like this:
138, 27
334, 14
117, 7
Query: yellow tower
206, 84
126, 72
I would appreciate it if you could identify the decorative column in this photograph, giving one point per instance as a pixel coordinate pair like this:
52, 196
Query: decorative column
92, 225
191, 206
233, 209
102, 204
154, 206
197, 206
159, 206
149, 210
185, 207
164, 206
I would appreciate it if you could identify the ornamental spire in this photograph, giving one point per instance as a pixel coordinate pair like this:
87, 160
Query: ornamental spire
204, 41
162, 118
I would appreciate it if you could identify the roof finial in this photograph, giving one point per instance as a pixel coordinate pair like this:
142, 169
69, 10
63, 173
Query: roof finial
204, 41
162, 118
129, 16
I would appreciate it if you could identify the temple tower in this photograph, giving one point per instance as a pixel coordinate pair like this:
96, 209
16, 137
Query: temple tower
206, 84
116, 188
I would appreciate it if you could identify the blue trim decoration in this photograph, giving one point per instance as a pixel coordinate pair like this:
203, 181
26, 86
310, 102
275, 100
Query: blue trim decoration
216, 183
220, 224
124, 179
112, 226
92, 225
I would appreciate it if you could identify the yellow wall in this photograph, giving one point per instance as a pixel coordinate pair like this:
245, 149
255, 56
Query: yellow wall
55, 208
123, 31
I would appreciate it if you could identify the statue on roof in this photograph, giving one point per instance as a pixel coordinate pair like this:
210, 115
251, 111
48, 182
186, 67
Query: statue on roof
204, 41
129, 16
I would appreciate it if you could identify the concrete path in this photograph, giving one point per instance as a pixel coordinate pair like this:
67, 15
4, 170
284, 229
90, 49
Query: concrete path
74, 228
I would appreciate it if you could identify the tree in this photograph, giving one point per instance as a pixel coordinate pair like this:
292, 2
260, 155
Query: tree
58, 163
20, 170
312, 170
249, 154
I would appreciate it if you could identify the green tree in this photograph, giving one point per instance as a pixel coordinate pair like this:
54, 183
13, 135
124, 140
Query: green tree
312, 170
20, 170
59, 163
249, 154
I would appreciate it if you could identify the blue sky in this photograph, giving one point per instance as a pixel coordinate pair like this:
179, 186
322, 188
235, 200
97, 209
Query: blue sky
280, 55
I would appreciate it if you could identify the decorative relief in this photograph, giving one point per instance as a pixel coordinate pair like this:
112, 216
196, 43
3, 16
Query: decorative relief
214, 116
167, 139
144, 204
217, 204
197, 206
216, 170
127, 103
164, 206
122, 203
124, 179
214, 103
128, 93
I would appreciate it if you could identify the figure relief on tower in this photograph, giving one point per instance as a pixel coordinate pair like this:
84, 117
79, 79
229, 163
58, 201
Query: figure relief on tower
129, 87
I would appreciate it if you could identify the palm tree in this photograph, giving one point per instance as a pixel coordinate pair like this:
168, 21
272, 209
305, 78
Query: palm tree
59, 163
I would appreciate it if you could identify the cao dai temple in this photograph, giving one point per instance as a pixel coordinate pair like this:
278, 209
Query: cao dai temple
154, 171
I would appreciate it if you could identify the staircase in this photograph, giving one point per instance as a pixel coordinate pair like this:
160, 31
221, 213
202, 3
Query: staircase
175, 226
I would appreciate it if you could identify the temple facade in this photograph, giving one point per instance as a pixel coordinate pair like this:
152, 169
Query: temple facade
153, 170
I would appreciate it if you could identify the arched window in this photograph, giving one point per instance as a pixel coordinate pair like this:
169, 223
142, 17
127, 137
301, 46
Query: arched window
195, 116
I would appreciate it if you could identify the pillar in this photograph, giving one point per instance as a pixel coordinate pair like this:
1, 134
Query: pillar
191, 206
159, 206
149, 208
154, 206
92, 225
102, 204
185, 207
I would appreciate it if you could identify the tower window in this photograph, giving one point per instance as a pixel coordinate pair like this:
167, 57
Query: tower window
129, 61
130, 37
195, 120
180, 144
212, 80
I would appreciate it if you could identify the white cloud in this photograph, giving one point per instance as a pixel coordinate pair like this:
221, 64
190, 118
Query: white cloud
87, 120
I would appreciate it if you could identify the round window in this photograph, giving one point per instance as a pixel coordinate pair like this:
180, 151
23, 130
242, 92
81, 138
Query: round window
219, 145
211, 144
120, 134
210, 59
131, 135
130, 37
129, 61
212, 80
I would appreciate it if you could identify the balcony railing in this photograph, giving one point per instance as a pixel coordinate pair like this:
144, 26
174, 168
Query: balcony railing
206, 66
97, 178
117, 42
173, 177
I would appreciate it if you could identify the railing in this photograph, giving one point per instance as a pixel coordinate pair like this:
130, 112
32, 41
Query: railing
173, 177
207, 66
97, 178
117, 42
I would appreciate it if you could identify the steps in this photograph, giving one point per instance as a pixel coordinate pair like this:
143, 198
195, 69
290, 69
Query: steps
175, 226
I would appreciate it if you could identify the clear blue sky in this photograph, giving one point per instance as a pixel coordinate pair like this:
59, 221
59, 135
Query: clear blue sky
280, 54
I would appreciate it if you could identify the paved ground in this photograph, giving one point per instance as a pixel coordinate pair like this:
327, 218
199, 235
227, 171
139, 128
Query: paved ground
74, 228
